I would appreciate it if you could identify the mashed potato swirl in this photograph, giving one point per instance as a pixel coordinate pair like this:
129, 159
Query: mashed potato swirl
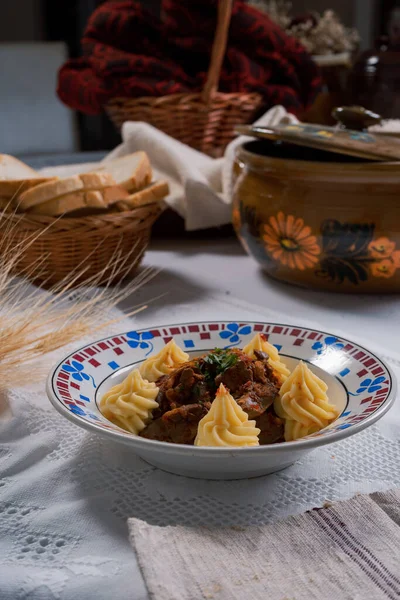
226, 424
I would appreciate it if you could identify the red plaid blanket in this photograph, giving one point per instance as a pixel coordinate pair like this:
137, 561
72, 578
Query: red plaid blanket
128, 53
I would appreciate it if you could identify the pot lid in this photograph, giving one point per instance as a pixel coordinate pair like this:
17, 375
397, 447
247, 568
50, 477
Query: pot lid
361, 144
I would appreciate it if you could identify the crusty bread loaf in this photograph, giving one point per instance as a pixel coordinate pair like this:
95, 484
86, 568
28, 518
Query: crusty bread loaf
153, 193
131, 172
54, 189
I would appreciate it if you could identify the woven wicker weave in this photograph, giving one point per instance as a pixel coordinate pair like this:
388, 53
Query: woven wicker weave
58, 247
205, 121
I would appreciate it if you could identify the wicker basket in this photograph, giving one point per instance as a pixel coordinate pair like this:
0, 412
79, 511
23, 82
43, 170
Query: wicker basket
206, 120
57, 248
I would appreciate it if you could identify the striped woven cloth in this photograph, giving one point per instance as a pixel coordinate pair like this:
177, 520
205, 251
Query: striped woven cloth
347, 551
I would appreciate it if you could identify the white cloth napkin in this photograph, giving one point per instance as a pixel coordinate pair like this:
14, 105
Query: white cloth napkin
347, 551
200, 186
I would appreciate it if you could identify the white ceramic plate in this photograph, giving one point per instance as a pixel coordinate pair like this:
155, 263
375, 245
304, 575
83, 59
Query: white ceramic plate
359, 383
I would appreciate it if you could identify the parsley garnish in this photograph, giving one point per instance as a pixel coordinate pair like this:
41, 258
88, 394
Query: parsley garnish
215, 363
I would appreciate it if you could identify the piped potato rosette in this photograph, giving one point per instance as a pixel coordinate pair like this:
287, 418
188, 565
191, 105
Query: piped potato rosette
169, 358
304, 404
226, 424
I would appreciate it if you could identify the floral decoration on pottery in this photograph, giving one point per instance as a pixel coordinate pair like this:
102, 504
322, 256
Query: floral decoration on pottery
347, 251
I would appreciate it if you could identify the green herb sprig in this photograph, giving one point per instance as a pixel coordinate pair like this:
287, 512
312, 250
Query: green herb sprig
216, 363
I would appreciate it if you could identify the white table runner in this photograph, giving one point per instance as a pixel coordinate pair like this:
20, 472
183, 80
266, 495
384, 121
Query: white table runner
65, 495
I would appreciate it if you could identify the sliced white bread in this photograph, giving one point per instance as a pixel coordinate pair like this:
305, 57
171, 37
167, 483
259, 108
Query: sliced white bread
16, 176
12, 168
113, 194
95, 199
131, 172
58, 206
13, 188
79, 200
96, 180
152, 193
54, 189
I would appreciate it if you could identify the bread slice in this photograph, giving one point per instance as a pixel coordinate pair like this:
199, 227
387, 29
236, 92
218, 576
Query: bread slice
58, 206
49, 191
13, 188
16, 176
153, 193
113, 194
12, 168
54, 189
132, 172
96, 180
94, 198
99, 199
68, 203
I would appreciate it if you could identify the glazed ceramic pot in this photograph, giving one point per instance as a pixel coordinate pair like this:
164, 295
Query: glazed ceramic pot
319, 219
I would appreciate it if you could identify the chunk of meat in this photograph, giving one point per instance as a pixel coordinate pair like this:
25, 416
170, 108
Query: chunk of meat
186, 394
255, 398
272, 428
251, 405
267, 392
236, 376
261, 355
201, 392
268, 372
184, 386
178, 426
182, 392
260, 371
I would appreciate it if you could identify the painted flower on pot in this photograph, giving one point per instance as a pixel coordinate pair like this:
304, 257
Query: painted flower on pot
381, 248
385, 259
290, 242
350, 252
384, 268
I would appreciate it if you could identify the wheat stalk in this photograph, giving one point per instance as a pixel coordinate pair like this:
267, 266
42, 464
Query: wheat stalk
35, 322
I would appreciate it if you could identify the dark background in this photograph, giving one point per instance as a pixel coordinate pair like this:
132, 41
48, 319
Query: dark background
64, 20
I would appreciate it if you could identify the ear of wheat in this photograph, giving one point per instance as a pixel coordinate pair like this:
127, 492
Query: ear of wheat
36, 322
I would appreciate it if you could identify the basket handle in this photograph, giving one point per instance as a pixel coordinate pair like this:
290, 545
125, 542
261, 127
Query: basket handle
218, 50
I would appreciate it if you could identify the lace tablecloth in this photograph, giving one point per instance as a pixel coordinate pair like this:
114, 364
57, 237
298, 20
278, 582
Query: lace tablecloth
65, 495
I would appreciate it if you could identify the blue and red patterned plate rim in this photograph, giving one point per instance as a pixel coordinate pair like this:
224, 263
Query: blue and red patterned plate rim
370, 385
